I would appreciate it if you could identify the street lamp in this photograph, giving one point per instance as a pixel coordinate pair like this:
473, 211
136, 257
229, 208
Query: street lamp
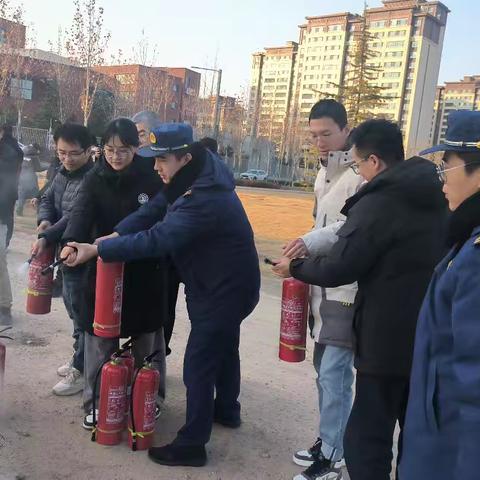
216, 121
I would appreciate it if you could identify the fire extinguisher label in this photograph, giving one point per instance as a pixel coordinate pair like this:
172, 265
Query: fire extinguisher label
149, 412
116, 405
37, 282
293, 314
117, 295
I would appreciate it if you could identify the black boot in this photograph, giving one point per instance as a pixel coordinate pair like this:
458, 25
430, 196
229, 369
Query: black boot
228, 422
179, 456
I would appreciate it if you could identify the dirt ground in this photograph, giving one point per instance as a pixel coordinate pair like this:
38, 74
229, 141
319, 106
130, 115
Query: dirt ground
41, 437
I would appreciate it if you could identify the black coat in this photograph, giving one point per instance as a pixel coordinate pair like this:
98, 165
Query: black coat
57, 202
390, 244
11, 158
107, 197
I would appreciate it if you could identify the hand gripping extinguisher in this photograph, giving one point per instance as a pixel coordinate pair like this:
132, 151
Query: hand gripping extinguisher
39, 290
3, 351
111, 411
141, 426
293, 323
108, 299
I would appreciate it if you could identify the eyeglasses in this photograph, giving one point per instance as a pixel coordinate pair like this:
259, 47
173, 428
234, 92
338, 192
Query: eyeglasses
355, 166
442, 168
121, 152
73, 155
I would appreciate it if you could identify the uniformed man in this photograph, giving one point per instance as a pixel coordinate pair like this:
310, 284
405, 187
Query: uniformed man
199, 221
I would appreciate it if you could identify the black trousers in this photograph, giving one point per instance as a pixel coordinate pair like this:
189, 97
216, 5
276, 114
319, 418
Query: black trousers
211, 373
380, 401
8, 218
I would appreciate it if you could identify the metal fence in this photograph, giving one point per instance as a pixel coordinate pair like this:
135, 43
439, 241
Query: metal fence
29, 136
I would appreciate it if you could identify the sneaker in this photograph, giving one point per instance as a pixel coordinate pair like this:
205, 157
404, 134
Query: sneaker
64, 370
321, 469
5, 316
70, 385
88, 420
305, 458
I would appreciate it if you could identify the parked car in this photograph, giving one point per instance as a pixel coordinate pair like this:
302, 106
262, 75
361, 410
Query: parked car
252, 174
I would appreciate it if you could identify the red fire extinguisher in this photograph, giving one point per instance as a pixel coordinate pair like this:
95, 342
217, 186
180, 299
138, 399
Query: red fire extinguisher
293, 323
3, 352
111, 411
125, 355
108, 299
141, 425
39, 292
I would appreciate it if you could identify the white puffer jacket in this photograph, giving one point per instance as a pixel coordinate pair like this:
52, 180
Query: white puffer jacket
335, 183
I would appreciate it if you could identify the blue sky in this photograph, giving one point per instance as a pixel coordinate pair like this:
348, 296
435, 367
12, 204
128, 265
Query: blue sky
195, 32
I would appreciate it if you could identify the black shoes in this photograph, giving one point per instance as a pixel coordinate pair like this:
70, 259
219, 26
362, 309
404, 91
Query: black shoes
228, 422
179, 455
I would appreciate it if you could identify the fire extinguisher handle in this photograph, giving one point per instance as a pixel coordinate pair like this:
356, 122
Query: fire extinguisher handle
150, 357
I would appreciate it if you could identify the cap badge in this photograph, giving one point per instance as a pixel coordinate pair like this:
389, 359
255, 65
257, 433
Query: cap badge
152, 138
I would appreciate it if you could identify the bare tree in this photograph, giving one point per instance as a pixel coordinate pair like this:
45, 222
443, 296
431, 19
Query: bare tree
68, 79
86, 45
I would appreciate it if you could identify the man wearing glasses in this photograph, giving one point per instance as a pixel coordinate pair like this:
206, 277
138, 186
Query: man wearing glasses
73, 144
390, 243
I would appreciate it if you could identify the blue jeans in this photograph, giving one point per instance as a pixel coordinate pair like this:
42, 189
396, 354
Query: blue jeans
334, 366
72, 298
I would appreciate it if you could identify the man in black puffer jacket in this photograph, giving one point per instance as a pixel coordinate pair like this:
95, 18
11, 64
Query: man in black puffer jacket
390, 243
73, 144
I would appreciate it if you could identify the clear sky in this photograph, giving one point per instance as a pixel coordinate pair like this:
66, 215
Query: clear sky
196, 32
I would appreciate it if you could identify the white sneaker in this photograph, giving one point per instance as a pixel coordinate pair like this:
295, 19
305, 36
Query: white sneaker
71, 384
64, 370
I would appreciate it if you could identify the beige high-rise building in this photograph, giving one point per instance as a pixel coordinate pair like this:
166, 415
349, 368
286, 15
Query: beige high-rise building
271, 91
461, 95
408, 46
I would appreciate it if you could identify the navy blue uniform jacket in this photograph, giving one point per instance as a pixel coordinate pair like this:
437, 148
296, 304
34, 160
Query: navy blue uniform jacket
207, 234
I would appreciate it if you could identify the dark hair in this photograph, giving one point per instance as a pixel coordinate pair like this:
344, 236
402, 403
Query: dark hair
471, 159
7, 130
381, 138
209, 143
331, 109
74, 133
124, 129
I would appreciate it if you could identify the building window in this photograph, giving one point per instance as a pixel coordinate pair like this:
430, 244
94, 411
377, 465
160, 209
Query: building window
21, 88
399, 22
379, 24
395, 44
397, 33
125, 78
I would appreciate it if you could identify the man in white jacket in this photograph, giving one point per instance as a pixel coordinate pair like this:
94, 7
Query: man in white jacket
331, 308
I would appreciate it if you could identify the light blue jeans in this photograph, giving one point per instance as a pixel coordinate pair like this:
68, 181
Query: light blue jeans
334, 366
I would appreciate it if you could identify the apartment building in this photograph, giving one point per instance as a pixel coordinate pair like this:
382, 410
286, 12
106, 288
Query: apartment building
461, 95
407, 44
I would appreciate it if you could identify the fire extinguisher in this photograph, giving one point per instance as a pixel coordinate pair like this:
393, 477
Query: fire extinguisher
111, 411
108, 299
141, 426
293, 323
3, 352
125, 355
39, 291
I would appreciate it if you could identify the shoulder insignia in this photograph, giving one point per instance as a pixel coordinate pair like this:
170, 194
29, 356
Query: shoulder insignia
187, 193
450, 263
477, 241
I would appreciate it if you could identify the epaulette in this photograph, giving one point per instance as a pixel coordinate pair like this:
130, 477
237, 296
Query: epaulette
187, 193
